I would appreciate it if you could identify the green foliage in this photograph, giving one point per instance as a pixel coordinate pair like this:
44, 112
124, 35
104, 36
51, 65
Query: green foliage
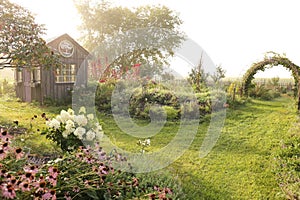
261, 92
134, 28
218, 75
143, 101
198, 77
21, 43
103, 96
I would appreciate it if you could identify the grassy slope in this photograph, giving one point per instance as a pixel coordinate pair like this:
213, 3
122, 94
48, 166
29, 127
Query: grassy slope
239, 166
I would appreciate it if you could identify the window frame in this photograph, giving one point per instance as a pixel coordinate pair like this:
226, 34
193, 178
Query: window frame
66, 73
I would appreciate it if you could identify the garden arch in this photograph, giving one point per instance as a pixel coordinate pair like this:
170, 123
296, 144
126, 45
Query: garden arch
272, 59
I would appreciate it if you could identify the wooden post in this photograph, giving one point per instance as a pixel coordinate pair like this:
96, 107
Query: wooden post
233, 96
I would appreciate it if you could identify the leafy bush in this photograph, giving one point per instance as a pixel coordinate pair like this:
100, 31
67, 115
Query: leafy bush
261, 92
103, 96
153, 94
172, 113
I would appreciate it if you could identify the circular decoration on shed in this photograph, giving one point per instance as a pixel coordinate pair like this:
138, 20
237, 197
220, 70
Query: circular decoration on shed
66, 48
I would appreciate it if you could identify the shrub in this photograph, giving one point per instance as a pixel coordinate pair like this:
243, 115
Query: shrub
172, 113
103, 96
153, 94
261, 92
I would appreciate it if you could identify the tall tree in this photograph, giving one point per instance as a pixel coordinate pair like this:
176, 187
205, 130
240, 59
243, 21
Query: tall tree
21, 44
146, 34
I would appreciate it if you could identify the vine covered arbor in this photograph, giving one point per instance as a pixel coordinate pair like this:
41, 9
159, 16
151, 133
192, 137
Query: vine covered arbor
272, 59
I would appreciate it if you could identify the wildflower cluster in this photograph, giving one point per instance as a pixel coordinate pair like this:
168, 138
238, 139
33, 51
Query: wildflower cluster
69, 131
143, 144
87, 173
20, 179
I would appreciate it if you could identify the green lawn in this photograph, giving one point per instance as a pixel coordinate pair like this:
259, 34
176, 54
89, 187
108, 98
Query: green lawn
240, 166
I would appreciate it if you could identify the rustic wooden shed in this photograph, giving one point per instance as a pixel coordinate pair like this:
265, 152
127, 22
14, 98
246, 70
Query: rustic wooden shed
52, 83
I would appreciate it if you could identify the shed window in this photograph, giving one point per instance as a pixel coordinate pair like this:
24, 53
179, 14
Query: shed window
18, 75
36, 75
66, 73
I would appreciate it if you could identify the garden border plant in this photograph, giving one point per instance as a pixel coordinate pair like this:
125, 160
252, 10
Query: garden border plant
84, 173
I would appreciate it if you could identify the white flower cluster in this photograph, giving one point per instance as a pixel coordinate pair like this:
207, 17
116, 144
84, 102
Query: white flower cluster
84, 127
144, 143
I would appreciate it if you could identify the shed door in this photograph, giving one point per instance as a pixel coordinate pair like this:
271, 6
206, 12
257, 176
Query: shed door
27, 86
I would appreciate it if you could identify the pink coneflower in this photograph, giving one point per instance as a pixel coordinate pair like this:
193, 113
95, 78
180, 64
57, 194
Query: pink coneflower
53, 171
89, 160
76, 189
25, 186
52, 180
2, 154
4, 136
32, 169
8, 192
19, 153
50, 195
28, 176
5, 146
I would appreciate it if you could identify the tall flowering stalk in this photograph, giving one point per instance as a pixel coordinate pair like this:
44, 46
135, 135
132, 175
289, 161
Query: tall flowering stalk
70, 131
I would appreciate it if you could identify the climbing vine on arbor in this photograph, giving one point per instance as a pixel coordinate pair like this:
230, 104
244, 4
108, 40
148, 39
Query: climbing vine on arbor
270, 60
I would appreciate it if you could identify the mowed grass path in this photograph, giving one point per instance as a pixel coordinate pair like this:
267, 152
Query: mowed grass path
240, 166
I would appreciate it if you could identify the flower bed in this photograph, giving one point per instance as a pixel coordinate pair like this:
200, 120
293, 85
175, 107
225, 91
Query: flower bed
81, 172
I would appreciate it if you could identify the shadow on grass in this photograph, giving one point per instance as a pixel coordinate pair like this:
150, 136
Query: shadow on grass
195, 187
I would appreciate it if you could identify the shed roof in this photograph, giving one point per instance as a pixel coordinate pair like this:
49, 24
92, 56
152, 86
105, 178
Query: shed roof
51, 42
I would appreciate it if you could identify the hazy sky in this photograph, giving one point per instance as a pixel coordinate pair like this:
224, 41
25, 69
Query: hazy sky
233, 33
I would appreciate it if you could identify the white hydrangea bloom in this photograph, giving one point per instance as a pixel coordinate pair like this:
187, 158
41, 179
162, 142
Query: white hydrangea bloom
65, 133
54, 123
90, 117
58, 118
90, 135
71, 112
65, 116
82, 110
69, 126
81, 120
79, 132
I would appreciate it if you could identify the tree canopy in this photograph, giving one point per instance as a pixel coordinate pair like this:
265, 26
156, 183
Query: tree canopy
21, 44
146, 34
